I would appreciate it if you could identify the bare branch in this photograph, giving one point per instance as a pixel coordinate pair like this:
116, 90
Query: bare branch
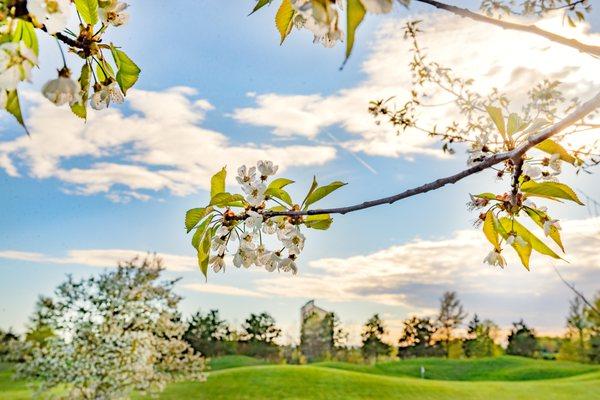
577, 292
463, 12
515, 154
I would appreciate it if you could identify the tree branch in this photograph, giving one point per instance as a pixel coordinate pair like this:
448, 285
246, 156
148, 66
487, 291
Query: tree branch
463, 12
515, 154
577, 292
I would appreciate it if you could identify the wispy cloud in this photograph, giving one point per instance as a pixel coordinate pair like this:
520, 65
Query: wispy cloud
222, 289
160, 146
511, 61
104, 258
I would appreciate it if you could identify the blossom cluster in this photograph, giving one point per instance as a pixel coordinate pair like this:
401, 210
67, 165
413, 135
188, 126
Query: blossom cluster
261, 226
19, 53
249, 234
321, 17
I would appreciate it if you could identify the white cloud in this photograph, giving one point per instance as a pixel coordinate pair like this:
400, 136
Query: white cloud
511, 61
413, 274
161, 145
221, 289
104, 258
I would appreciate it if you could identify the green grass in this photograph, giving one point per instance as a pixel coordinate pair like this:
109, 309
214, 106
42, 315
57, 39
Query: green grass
240, 378
227, 362
504, 368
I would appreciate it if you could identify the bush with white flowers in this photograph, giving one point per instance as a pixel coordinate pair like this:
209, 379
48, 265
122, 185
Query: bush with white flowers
114, 333
108, 80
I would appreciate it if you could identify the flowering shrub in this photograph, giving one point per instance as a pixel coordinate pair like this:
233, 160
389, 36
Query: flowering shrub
20, 22
114, 333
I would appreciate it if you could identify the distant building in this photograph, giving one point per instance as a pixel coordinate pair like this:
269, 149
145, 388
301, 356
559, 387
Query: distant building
316, 332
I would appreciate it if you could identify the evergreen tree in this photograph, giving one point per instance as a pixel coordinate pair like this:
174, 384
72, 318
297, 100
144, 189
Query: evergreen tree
417, 339
373, 345
521, 340
208, 334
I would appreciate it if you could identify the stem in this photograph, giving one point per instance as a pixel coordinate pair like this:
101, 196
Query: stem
463, 12
517, 153
62, 53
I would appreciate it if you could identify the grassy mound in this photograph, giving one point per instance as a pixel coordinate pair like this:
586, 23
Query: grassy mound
504, 368
314, 382
241, 378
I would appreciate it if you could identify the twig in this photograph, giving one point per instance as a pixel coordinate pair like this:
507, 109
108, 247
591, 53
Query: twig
463, 12
577, 293
488, 162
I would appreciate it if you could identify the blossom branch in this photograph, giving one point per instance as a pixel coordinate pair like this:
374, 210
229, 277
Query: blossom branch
466, 13
515, 154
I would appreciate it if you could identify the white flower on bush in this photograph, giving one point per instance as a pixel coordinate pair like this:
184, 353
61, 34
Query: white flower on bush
54, 14
377, 6
104, 94
62, 90
114, 13
16, 62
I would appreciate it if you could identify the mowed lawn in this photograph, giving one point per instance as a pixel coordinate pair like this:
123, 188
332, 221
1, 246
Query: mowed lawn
498, 378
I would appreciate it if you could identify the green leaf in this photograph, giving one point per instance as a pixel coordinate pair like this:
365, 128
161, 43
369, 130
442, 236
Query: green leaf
524, 252
322, 191
25, 31
529, 237
322, 221
552, 190
80, 109
551, 147
280, 194
204, 252
225, 199
260, 4
498, 119
489, 230
127, 71
354, 16
217, 182
284, 19
104, 72
514, 124
192, 217
313, 186
88, 10
200, 232
486, 195
280, 183
554, 233
13, 106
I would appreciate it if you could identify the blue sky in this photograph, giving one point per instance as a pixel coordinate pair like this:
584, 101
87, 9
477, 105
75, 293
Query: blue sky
67, 207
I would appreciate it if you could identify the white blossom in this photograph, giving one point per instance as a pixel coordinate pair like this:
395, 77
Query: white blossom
114, 13
549, 225
555, 163
16, 62
292, 239
104, 94
217, 263
62, 90
270, 260
254, 220
246, 176
255, 194
516, 239
269, 227
247, 241
244, 258
378, 6
532, 171
320, 18
266, 168
3, 98
495, 258
54, 14
288, 265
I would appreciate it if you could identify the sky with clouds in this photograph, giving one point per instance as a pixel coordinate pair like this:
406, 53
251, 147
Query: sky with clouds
217, 89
